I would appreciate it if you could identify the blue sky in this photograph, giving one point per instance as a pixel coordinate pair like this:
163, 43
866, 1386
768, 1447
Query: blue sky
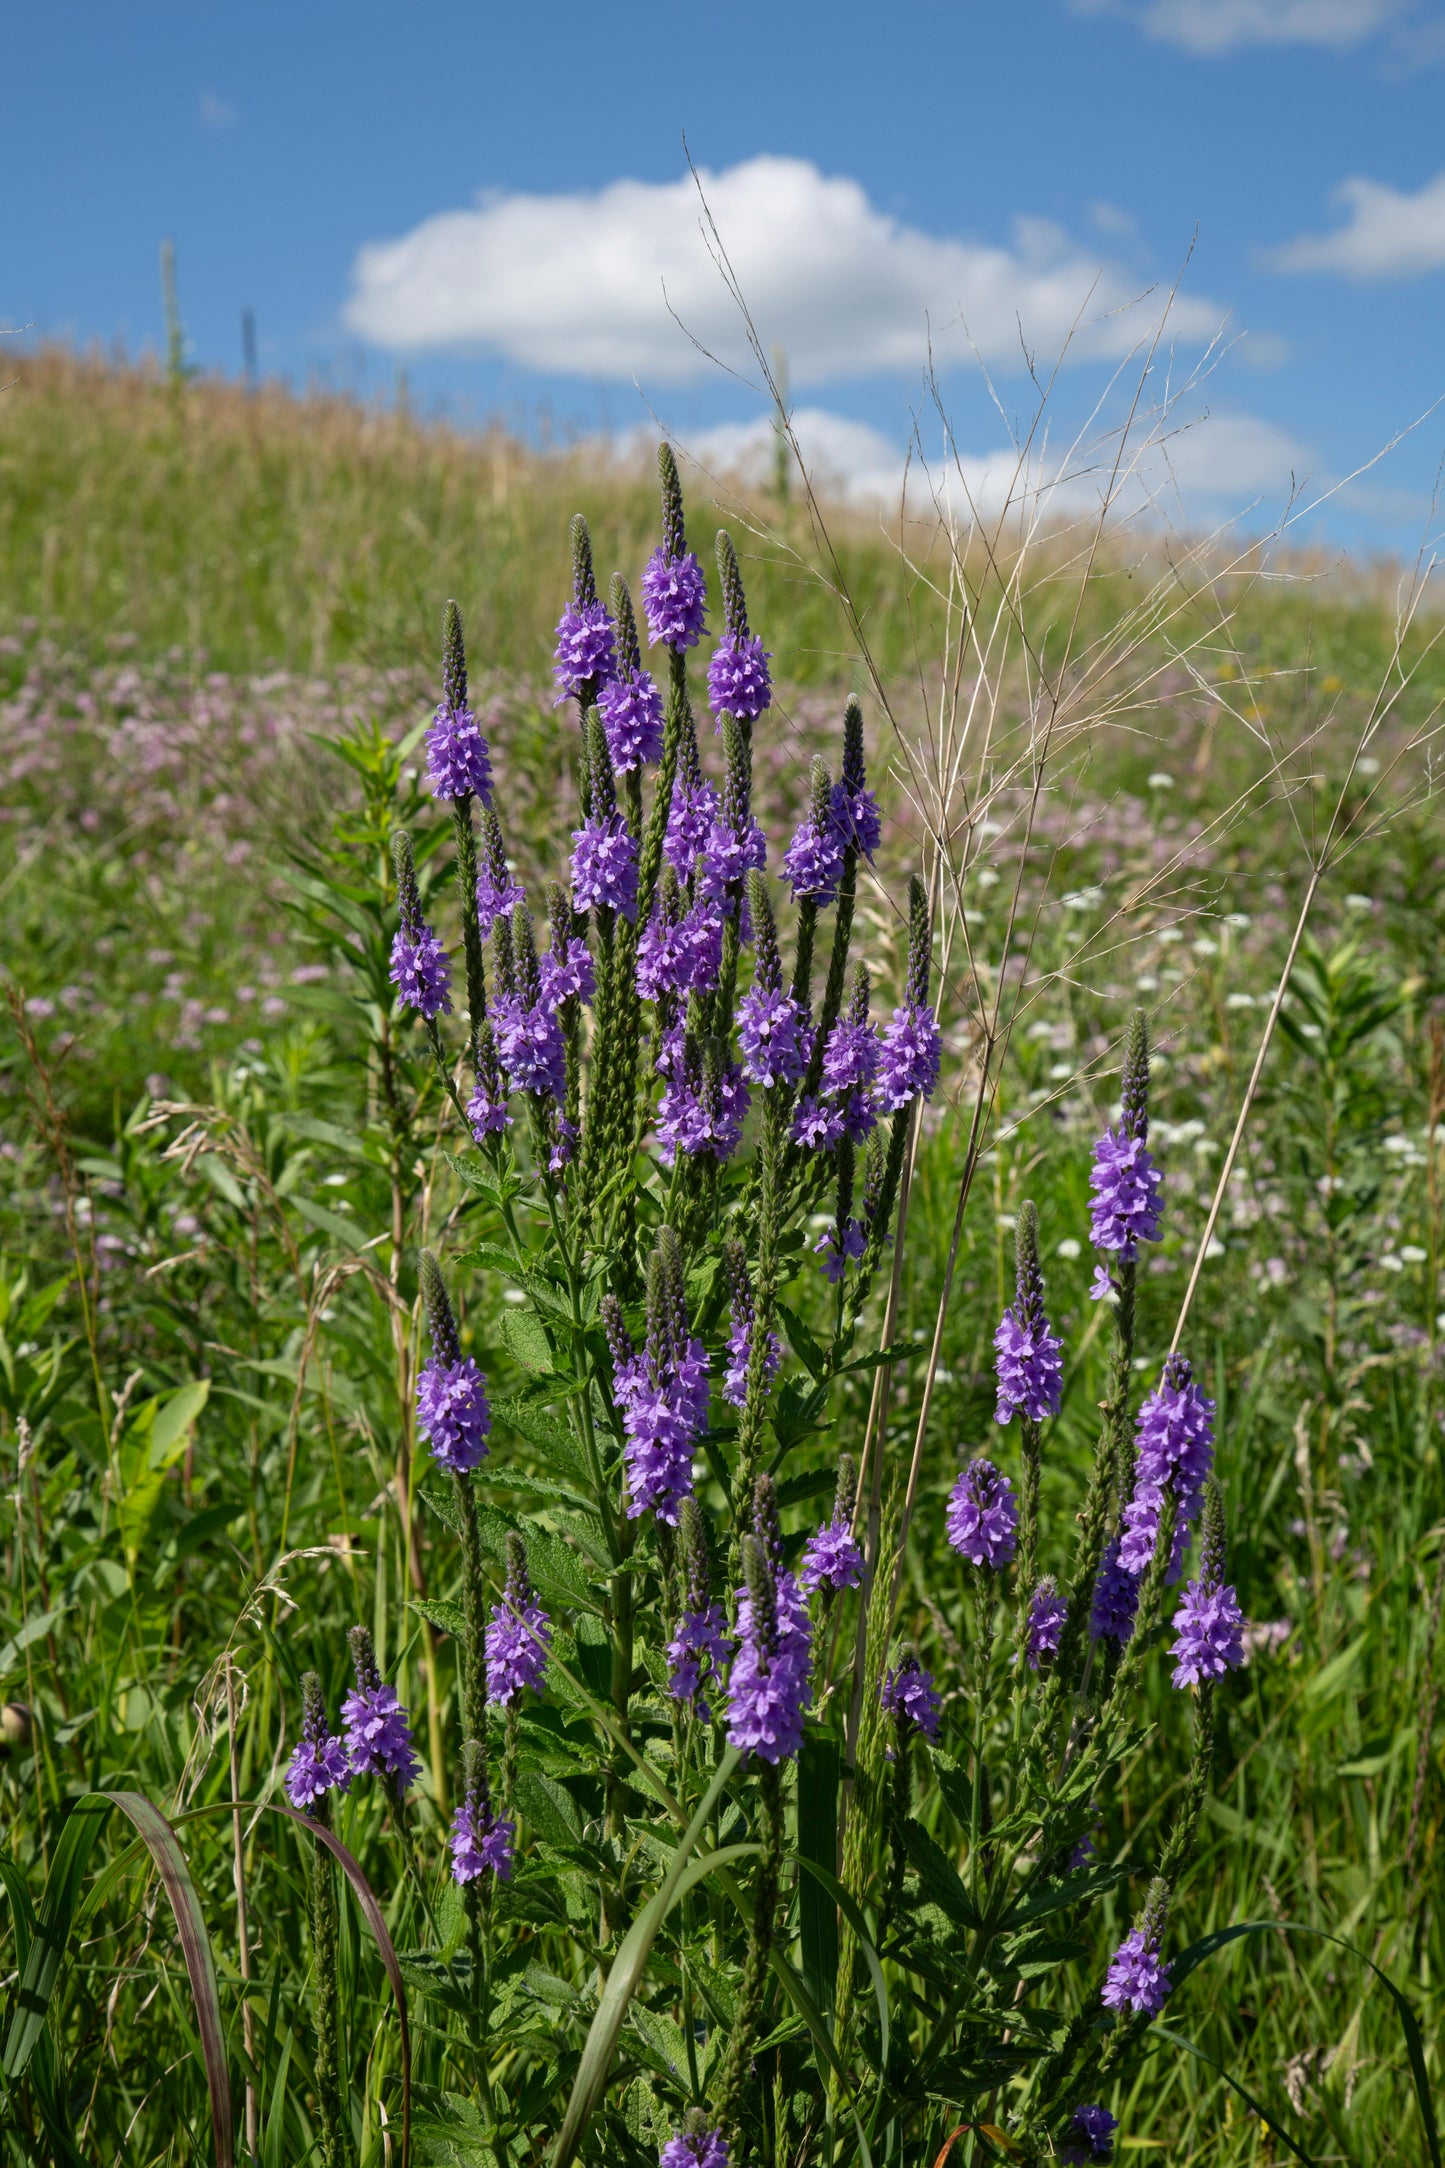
491, 199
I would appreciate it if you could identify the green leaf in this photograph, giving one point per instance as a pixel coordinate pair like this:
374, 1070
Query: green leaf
449, 1618
818, 1777
938, 1877
545, 1435
526, 1340
550, 1808
802, 1342
1177, 2039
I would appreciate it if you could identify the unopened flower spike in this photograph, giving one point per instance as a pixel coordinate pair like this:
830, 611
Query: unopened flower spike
378, 1734
459, 760
773, 1028
1208, 1624
319, 1762
698, 1652
1030, 1358
453, 1414
740, 1317
480, 1843
912, 1047
419, 971
674, 593
630, 703
813, 862
584, 658
518, 1634
737, 675
604, 854
854, 807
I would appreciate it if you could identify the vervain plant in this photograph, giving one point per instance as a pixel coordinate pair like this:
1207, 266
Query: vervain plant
719, 1885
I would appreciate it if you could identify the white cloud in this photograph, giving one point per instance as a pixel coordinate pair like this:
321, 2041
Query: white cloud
1216, 466
1222, 26
581, 284
1387, 235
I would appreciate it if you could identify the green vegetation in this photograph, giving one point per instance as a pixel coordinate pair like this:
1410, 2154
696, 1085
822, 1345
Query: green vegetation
218, 1158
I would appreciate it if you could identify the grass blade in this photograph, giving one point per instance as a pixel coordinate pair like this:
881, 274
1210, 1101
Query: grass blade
1177, 2039
818, 1841
854, 1916
1414, 2044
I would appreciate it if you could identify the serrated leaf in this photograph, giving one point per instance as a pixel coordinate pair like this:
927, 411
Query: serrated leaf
526, 1340
802, 1342
545, 1435
449, 1618
937, 1876
550, 1808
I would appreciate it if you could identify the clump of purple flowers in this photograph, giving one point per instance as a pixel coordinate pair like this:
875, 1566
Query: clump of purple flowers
1209, 1623
736, 845
662, 1392
774, 1030
769, 1681
630, 703
604, 849
699, 1650
1047, 1613
911, 1697
737, 675
1091, 2136
1124, 1178
378, 1735
831, 1558
1174, 1451
451, 1392
813, 861
497, 892
696, 2145
1137, 1978
529, 1037
585, 657
459, 759
674, 592
912, 1047
518, 1635
419, 971
1116, 1598
319, 1761
840, 1246
1030, 1357
479, 1840
704, 1102
983, 1516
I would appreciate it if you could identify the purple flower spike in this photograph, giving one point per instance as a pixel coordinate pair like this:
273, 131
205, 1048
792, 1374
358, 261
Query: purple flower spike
697, 1654
768, 1684
378, 1735
420, 971
1091, 2137
566, 972
585, 651
703, 1107
690, 819
699, 2148
632, 718
458, 758
856, 818
911, 1057
1116, 1598
740, 1336
816, 1125
1030, 1369
480, 1844
1101, 1287
851, 1059
983, 1516
1174, 1441
453, 1413
841, 1247
674, 596
775, 1035
530, 1045
737, 677
813, 862
912, 1697
496, 890
1136, 1979
831, 1559
604, 866
319, 1761
518, 1634
1210, 1627
1047, 1613
1125, 1183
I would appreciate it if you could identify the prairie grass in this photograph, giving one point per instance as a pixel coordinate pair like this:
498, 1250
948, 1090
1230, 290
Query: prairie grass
202, 1173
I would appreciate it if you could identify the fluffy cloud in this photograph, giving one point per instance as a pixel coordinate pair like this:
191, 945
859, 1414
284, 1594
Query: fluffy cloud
1387, 235
1221, 26
1198, 473
595, 285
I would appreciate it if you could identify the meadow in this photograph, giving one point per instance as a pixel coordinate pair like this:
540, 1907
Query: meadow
221, 1147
